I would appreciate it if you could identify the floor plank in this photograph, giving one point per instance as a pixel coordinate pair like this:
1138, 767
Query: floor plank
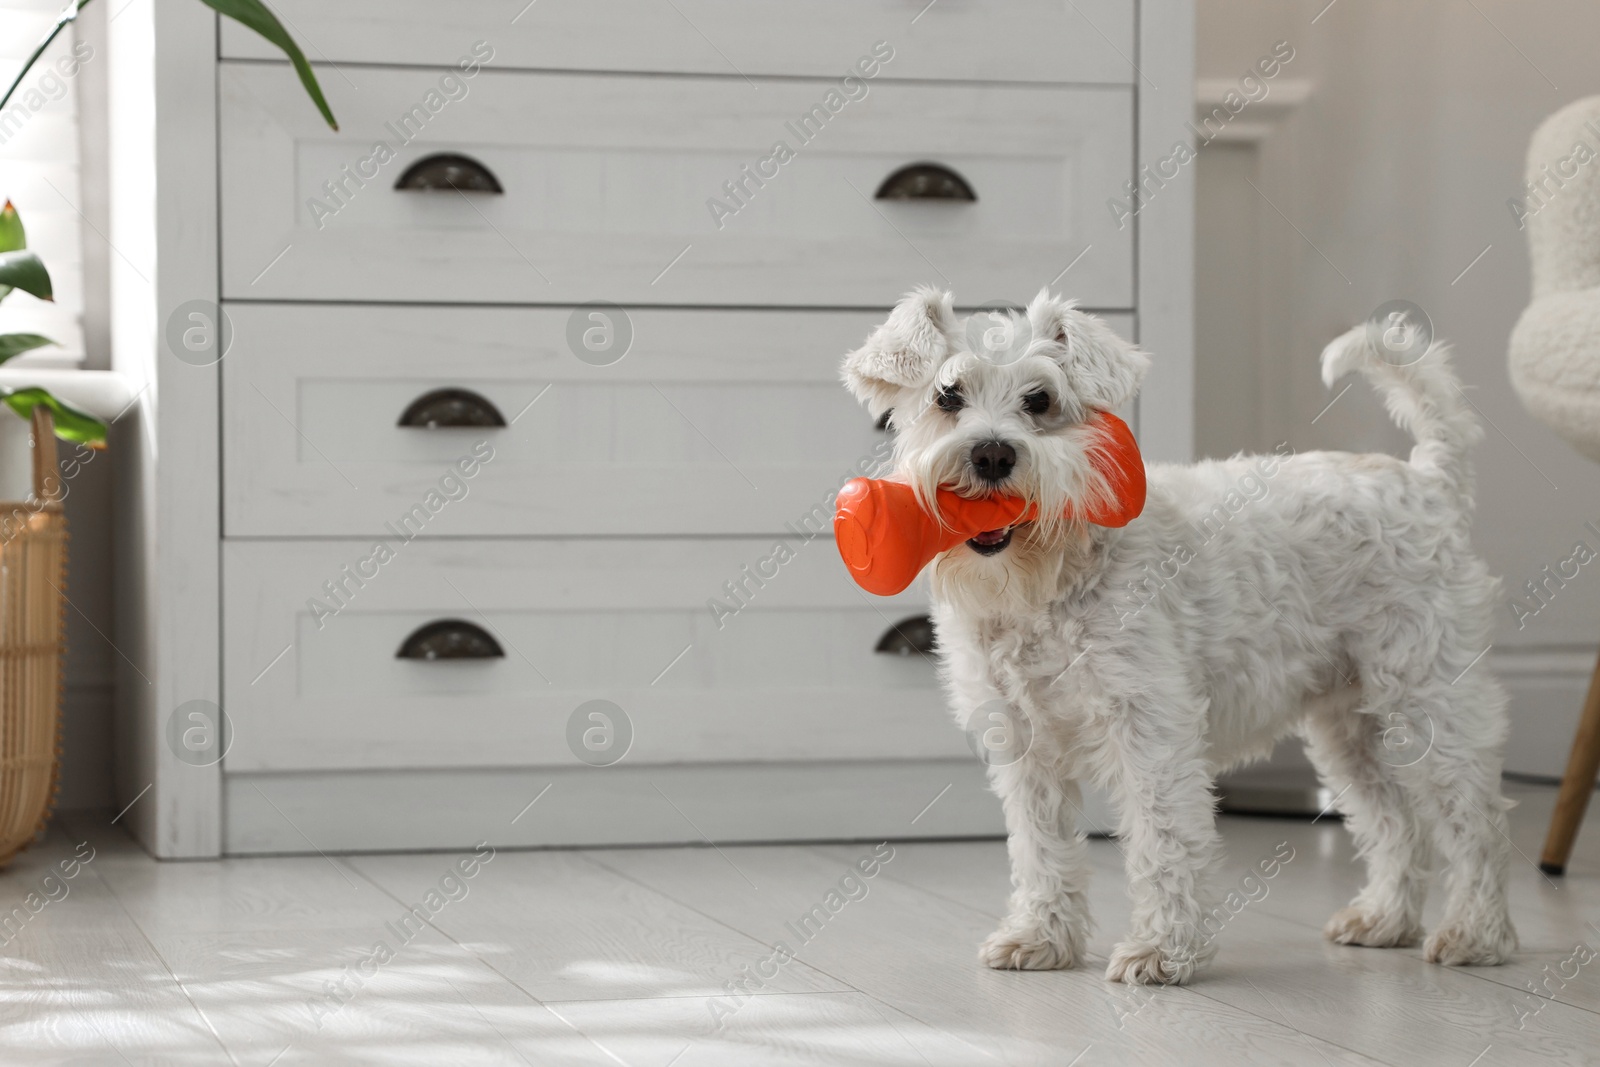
565, 928
623, 956
813, 1030
1399, 999
79, 981
916, 954
311, 997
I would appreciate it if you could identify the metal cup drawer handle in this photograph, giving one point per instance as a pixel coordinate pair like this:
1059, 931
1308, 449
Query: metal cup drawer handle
450, 639
909, 637
449, 171
451, 408
925, 181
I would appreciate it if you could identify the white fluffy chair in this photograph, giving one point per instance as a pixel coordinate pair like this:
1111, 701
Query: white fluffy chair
1555, 363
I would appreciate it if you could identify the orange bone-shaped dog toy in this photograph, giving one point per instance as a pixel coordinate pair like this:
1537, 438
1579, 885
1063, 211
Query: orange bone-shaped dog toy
886, 537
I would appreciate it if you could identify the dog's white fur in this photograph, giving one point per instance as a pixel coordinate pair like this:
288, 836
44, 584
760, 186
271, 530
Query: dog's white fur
1343, 603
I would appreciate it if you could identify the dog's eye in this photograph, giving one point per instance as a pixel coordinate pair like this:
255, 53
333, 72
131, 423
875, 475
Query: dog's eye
950, 399
1036, 403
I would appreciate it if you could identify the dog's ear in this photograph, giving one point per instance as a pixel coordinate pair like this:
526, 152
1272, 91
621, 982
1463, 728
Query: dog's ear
1103, 369
904, 352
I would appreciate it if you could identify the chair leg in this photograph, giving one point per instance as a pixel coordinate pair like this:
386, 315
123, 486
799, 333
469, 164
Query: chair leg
1576, 784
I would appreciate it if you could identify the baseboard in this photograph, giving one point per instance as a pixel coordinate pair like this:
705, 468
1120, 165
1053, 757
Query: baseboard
418, 810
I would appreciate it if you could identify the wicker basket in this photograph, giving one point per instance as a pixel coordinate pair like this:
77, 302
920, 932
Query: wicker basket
33, 561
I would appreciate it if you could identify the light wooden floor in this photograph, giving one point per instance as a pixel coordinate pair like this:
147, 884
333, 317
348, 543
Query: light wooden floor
615, 956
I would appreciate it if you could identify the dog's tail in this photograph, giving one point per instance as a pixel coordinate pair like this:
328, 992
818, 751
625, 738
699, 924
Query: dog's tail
1422, 394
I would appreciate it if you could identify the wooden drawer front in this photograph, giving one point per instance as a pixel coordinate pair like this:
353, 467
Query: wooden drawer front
792, 676
1001, 40
607, 180
714, 423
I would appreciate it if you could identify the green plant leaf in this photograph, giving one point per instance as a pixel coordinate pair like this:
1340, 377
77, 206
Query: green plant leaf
14, 344
254, 15
23, 269
12, 235
71, 424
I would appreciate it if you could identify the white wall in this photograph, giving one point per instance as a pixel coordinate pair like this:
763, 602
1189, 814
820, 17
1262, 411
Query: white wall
90, 669
1397, 169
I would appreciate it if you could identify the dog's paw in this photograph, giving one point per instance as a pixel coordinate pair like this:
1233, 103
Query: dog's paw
1358, 926
1458, 945
1142, 963
1049, 944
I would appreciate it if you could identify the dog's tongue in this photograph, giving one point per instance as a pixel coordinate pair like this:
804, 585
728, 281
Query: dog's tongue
991, 537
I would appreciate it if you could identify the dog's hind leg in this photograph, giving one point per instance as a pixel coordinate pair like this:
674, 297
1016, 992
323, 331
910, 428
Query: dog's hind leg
1047, 924
1360, 756
1459, 787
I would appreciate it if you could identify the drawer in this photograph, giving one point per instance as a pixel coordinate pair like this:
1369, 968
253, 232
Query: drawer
792, 676
714, 422
1013, 40
609, 182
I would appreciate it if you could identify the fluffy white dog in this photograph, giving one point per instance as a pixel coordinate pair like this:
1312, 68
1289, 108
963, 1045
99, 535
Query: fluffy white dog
1331, 594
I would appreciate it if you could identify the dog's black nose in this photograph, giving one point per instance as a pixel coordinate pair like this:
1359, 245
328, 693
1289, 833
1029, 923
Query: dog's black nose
993, 460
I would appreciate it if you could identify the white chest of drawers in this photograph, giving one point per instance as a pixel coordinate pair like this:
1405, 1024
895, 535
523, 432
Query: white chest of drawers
613, 503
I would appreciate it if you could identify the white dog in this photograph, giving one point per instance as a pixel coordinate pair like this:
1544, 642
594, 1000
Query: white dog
1343, 602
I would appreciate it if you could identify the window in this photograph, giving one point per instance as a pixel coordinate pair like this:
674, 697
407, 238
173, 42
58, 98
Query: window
40, 174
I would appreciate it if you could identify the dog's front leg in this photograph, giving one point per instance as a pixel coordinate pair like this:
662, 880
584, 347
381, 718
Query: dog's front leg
1169, 837
1047, 924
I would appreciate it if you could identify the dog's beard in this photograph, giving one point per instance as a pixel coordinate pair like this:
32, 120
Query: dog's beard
1020, 580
